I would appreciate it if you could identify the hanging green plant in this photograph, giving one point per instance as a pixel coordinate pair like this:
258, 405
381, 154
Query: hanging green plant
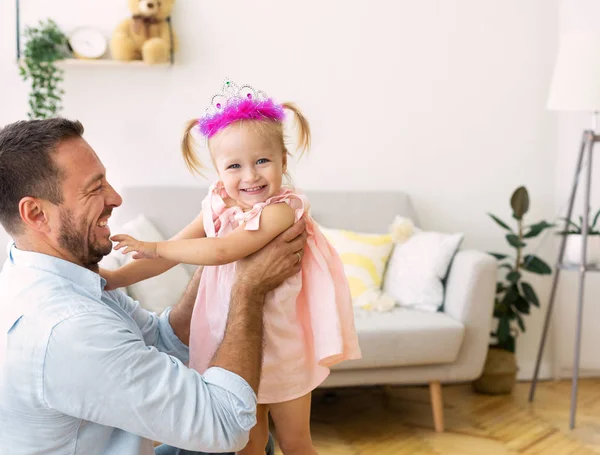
44, 46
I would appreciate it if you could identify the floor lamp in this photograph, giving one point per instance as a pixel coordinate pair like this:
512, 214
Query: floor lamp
575, 87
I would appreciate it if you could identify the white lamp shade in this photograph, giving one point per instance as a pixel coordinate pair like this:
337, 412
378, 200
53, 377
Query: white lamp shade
576, 80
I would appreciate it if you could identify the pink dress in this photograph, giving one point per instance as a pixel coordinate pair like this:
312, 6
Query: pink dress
308, 320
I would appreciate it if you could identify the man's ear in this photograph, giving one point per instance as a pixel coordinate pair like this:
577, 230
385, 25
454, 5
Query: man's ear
33, 214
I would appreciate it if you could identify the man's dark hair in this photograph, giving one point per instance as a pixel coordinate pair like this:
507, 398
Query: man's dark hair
27, 167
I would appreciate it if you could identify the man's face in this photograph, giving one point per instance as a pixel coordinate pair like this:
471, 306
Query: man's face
79, 224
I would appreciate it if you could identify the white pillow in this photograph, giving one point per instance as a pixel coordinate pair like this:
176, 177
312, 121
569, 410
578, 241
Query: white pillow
418, 267
113, 261
158, 293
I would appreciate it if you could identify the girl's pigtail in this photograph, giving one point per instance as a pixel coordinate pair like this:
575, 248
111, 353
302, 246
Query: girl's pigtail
187, 148
303, 128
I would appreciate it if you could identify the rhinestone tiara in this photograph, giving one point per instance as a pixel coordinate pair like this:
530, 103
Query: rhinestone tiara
236, 103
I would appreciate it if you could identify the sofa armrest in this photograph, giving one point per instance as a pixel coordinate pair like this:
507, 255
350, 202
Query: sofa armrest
470, 287
469, 298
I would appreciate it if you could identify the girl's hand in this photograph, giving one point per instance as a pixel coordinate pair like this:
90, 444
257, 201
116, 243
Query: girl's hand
143, 250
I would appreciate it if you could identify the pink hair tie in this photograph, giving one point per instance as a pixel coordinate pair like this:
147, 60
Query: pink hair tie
236, 103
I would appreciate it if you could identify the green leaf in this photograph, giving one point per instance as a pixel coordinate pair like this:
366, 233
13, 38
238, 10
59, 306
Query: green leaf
522, 305
568, 233
513, 276
498, 256
533, 264
44, 45
505, 266
500, 288
503, 330
537, 229
512, 294
595, 220
514, 241
530, 294
520, 202
521, 323
510, 313
500, 222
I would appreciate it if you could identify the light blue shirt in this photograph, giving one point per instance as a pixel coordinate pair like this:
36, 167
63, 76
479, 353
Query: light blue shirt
87, 371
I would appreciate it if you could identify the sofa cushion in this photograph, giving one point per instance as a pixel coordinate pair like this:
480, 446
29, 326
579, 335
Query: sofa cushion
405, 337
364, 257
418, 267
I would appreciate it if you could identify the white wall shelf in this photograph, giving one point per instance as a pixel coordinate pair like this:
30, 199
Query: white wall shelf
73, 62
107, 62
81, 62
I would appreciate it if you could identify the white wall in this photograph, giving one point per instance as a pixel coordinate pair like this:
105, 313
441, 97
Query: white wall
576, 15
444, 99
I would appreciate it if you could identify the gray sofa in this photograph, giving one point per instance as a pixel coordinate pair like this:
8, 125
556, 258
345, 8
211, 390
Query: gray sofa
399, 347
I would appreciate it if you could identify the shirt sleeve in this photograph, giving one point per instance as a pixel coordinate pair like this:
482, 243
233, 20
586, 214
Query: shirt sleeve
156, 330
96, 369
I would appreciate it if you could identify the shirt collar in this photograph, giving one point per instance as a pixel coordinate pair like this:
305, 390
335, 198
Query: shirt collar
77, 274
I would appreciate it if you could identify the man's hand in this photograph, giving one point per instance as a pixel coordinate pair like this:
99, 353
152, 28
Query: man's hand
241, 349
276, 262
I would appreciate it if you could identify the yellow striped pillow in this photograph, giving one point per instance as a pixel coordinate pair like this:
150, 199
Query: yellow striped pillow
365, 257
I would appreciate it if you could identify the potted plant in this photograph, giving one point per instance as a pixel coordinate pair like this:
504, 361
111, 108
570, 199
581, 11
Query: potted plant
575, 240
514, 297
44, 46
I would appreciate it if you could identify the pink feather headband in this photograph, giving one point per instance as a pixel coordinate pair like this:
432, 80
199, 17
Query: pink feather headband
236, 103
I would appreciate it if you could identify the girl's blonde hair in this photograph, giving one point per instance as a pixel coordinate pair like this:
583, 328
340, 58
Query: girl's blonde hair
270, 128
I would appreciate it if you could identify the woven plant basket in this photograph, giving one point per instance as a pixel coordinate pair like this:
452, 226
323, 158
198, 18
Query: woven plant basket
499, 373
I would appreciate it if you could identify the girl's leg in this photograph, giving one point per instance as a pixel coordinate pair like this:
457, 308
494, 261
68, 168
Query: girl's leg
292, 425
259, 435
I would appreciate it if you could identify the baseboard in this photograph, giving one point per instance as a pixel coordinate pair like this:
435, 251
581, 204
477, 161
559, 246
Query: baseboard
525, 372
567, 373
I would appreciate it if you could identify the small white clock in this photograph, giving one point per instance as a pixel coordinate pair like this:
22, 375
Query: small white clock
87, 43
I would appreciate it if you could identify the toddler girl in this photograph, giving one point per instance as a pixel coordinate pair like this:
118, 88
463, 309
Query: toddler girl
308, 321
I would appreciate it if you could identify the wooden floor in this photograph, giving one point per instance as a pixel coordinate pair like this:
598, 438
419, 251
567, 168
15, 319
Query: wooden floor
372, 421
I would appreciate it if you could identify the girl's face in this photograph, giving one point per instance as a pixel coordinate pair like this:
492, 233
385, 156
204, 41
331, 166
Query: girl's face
250, 165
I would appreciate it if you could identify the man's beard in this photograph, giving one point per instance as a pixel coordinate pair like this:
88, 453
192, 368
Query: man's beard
73, 239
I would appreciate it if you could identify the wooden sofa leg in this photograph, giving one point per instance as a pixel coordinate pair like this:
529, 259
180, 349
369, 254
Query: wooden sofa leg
437, 405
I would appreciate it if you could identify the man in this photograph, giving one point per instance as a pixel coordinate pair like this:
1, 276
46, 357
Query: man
88, 371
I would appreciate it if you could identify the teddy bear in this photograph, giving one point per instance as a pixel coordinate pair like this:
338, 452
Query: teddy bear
146, 35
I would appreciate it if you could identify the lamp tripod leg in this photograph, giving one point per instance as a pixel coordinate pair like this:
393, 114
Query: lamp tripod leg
582, 270
584, 144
